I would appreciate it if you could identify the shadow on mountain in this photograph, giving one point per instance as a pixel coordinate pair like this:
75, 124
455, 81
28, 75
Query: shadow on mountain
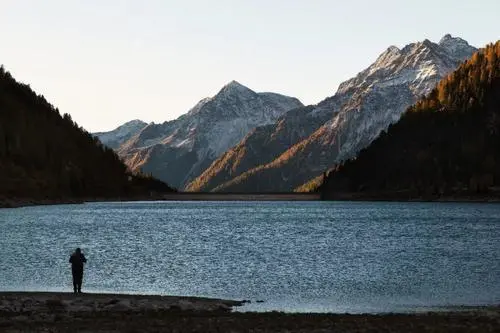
46, 157
445, 146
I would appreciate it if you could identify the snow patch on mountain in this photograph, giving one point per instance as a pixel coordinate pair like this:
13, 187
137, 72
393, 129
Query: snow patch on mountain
119, 135
209, 129
382, 92
455, 46
362, 108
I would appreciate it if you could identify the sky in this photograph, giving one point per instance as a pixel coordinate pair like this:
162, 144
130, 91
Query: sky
106, 62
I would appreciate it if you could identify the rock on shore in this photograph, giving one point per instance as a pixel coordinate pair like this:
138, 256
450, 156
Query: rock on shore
59, 312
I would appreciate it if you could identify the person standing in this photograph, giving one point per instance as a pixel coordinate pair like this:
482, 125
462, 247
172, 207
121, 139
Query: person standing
77, 260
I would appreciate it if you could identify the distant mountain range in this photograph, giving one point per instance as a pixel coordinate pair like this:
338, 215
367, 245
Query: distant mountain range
307, 142
242, 141
180, 150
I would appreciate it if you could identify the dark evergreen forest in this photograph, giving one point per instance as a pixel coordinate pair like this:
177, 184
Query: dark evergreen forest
447, 145
46, 156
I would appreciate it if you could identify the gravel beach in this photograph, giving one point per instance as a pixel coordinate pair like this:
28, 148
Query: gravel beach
65, 312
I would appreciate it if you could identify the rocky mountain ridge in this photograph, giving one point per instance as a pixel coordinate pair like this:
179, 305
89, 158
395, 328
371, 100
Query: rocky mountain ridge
115, 138
445, 146
178, 151
340, 126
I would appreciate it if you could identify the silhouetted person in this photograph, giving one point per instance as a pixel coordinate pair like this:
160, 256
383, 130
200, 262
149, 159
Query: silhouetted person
77, 260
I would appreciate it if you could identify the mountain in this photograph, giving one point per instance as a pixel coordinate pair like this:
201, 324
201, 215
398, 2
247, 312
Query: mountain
178, 151
337, 128
262, 145
446, 145
121, 134
46, 157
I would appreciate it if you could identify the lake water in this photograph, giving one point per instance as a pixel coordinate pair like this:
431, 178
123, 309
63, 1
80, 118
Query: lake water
294, 256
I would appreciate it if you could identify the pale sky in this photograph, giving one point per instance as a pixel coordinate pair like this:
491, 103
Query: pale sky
106, 62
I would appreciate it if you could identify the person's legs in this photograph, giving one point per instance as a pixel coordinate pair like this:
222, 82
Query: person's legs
79, 281
75, 280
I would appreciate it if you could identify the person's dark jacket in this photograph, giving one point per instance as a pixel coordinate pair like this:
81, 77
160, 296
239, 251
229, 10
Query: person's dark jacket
77, 260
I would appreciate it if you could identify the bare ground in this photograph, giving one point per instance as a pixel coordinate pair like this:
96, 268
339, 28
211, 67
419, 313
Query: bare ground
59, 312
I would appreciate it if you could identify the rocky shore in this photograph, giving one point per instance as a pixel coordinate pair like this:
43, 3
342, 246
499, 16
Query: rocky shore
64, 312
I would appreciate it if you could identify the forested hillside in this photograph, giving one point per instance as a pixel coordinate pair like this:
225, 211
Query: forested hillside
46, 156
447, 145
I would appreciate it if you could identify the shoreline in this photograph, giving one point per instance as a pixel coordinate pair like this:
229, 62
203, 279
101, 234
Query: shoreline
179, 196
200, 196
99, 301
188, 196
405, 196
67, 312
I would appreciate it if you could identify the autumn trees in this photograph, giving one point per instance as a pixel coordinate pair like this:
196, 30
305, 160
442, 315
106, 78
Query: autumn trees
447, 144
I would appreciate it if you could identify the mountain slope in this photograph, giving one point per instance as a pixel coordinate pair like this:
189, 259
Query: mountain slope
446, 145
178, 151
121, 134
370, 102
44, 156
259, 146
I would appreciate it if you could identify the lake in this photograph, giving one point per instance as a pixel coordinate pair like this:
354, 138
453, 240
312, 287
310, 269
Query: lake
295, 256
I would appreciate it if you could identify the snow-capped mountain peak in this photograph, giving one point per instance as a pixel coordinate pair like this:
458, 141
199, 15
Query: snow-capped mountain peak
448, 39
235, 89
349, 121
392, 51
121, 134
456, 46
195, 109
132, 123
416, 63
445, 38
386, 57
234, 85
191, 142
384, 90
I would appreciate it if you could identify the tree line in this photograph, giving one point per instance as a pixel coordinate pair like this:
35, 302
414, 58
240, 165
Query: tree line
447, 144
46, 155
